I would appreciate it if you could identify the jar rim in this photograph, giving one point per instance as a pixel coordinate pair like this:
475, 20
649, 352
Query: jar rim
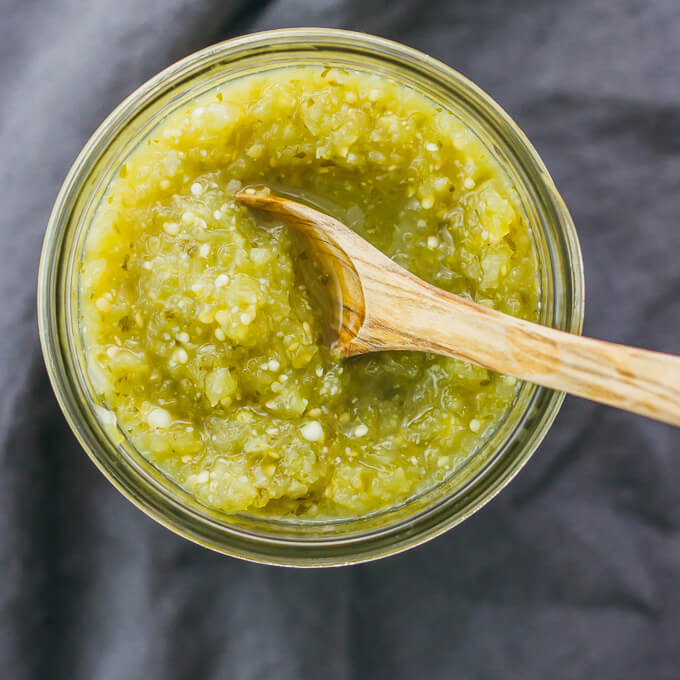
178, 517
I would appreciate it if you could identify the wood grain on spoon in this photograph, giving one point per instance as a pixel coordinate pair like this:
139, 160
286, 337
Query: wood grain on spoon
378, 306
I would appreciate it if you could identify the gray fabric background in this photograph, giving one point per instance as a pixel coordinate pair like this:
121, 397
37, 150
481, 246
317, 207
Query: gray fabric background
572, 572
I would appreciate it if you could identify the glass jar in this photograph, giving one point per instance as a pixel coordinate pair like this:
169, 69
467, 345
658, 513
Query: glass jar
288, 541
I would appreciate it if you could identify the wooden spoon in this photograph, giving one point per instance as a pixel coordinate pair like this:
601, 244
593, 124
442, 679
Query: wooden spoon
377, 305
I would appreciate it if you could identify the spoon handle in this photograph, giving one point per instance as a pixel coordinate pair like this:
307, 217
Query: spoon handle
422, 317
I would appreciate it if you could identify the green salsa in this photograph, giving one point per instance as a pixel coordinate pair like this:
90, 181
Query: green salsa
203, 342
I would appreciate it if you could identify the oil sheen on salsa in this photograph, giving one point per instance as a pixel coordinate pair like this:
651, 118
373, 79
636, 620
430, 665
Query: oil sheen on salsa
202, 341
